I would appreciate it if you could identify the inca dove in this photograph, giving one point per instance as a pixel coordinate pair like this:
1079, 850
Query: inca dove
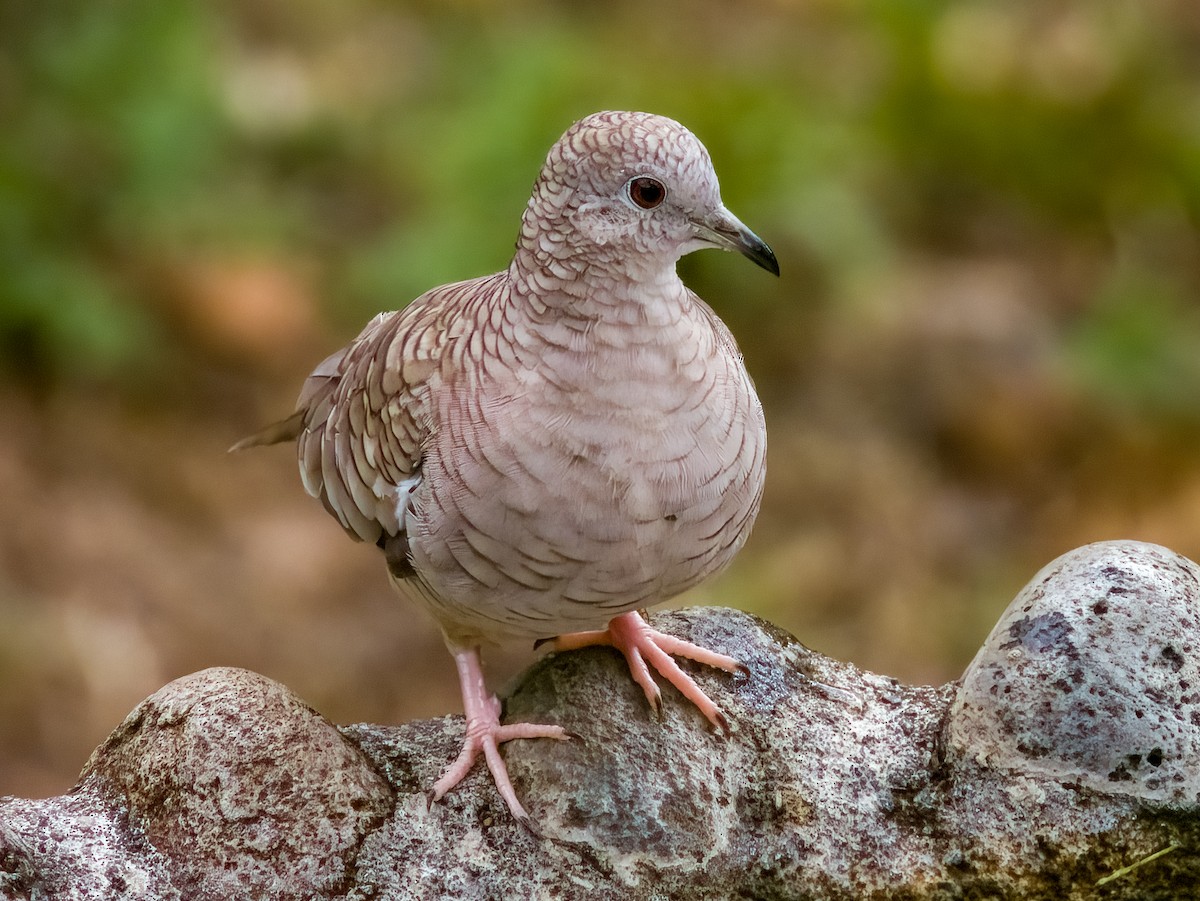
555, 446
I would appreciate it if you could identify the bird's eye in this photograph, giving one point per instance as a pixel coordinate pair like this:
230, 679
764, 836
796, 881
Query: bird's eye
646, 192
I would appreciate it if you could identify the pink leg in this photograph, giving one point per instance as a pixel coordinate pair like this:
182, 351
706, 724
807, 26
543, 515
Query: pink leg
484, 733
633, 637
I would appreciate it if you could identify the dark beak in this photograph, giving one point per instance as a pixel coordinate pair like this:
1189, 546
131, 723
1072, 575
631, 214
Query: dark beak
723, 229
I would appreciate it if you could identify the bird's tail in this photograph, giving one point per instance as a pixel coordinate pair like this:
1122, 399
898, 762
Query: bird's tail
284, 430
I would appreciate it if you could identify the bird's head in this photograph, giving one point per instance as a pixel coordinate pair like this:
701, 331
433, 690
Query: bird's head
633, 191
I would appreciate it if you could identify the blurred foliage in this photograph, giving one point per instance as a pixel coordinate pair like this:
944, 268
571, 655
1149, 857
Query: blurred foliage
394, 144
106, 135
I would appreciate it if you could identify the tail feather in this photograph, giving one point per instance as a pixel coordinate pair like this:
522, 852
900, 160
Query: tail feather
284, 430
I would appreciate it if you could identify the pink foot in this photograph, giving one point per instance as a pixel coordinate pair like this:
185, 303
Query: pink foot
484, 733
633, 637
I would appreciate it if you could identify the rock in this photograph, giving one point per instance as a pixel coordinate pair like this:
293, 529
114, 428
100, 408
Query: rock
832, 782
220, 785
1093, 675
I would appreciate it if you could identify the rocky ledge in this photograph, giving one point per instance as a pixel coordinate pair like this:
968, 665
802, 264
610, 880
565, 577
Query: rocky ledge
1064, 764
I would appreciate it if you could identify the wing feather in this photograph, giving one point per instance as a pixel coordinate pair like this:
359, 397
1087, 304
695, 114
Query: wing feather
364, 413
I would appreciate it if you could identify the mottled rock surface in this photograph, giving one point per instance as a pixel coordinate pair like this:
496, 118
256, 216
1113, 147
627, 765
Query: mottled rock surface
1067, 754
1093, 675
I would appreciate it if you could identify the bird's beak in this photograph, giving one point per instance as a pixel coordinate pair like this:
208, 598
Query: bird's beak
723, 229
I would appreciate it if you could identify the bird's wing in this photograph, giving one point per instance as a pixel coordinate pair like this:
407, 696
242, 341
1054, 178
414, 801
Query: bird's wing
364, 413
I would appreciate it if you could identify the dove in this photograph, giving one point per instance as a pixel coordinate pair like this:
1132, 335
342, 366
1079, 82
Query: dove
544, 452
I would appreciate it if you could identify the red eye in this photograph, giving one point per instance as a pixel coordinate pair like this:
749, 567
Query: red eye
646, 192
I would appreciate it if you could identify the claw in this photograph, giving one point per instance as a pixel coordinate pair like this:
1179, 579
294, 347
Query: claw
530, 825
656, 704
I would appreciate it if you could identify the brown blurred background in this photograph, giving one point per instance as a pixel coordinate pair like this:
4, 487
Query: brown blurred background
984, 349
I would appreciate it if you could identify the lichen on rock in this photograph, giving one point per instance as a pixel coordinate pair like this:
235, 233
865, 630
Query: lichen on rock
1093, 674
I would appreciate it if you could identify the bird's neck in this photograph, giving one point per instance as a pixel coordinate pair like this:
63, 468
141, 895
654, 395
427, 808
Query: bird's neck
592, 286
602, 325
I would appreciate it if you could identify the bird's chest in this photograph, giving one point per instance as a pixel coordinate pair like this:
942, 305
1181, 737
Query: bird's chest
634, 428
619, 483
609, 440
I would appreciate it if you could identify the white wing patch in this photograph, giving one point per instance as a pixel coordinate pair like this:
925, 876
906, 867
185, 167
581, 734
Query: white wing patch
402, 493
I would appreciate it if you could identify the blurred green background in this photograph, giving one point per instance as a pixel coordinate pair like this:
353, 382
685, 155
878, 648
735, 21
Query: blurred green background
984, 349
